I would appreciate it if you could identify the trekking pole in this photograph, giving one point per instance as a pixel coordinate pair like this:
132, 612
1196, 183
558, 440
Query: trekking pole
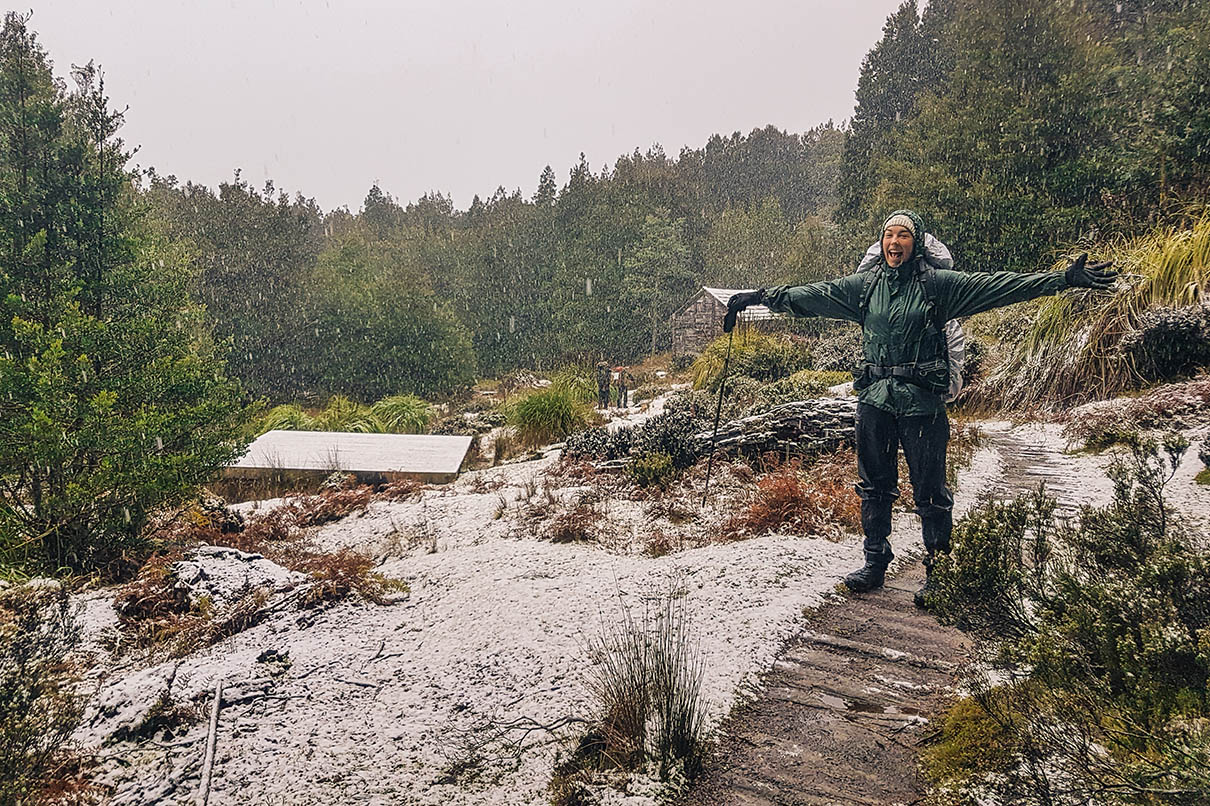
722, 387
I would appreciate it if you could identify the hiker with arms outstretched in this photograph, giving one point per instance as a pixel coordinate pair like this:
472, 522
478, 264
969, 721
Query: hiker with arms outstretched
902, 304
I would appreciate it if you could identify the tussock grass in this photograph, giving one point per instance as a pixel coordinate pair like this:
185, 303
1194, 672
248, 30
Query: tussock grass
397, 414
1073, 352
402, 414
549, 415
646, 683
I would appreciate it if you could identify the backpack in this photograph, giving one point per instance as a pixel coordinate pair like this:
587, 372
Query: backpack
936, 256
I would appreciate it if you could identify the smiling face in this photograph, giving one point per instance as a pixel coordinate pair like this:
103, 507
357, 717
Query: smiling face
897, 245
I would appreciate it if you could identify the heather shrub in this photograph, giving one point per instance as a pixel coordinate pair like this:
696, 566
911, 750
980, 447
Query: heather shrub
1169, 343
1103, 424
669, 433
652, 470
1102, 623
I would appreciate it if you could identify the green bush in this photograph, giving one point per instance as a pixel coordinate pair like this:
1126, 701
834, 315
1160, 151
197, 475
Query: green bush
1105, 624
757, 355
652, 469
1170, 343
549, 415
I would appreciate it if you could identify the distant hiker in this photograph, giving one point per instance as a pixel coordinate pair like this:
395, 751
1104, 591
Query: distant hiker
624, 379
903, 305
603, 374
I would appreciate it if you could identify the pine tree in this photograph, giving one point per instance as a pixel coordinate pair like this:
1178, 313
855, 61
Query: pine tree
113, 399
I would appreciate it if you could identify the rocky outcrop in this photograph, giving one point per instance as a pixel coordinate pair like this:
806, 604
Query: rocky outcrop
804, 426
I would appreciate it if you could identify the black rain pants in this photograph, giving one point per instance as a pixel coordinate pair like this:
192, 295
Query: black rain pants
924, 439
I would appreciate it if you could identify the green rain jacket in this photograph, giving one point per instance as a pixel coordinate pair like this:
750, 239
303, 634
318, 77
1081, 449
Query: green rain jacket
897, 328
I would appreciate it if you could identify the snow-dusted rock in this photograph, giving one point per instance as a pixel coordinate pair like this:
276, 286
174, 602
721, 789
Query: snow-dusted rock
224, 575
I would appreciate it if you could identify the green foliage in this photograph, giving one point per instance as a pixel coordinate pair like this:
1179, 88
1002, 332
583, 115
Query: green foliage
968, 740
549, 415
1170, 343
578, 381
380, 329
754, 354
1105, 624
113, 396
39, 701
252, 252
397, 414
287, 417
402, 414
652, 469
1021, 127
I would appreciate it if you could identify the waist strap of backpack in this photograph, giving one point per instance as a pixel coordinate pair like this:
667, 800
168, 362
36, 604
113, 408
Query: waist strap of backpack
904, 371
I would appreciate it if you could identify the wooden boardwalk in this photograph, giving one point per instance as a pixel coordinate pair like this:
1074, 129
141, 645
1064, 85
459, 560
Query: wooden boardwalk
847, 702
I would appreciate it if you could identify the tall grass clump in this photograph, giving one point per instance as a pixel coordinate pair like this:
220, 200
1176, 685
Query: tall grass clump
549, 414
1079, 345
285, 418
402, 414
397, 414
646, 684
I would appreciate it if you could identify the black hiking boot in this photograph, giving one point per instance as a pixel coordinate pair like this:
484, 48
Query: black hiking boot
924, 597
867, 577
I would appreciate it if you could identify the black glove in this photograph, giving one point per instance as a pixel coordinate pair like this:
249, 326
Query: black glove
1095, 276
737, 303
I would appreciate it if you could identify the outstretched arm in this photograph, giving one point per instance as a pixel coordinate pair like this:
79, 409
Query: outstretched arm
836, 299
972, 293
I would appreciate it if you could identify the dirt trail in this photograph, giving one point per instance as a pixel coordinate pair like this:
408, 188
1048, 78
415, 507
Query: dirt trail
841, 713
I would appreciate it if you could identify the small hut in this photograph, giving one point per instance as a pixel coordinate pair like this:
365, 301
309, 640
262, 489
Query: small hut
700, 319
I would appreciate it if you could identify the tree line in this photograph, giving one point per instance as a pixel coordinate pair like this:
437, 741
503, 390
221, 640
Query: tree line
141, 312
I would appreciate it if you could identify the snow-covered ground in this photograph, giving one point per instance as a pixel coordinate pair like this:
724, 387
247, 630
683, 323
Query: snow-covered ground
378, 702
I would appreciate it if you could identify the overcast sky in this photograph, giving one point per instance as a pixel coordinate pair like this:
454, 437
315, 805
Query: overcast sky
326, 97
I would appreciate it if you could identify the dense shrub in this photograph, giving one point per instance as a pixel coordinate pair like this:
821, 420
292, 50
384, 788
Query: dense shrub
681, 362
1170, 343
652, 469
757, 355
695, 403
1112, 422
669, 433
1103, 622
838, 350
599, 443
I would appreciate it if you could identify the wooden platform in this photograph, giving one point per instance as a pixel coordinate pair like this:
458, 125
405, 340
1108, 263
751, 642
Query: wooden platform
421, 456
